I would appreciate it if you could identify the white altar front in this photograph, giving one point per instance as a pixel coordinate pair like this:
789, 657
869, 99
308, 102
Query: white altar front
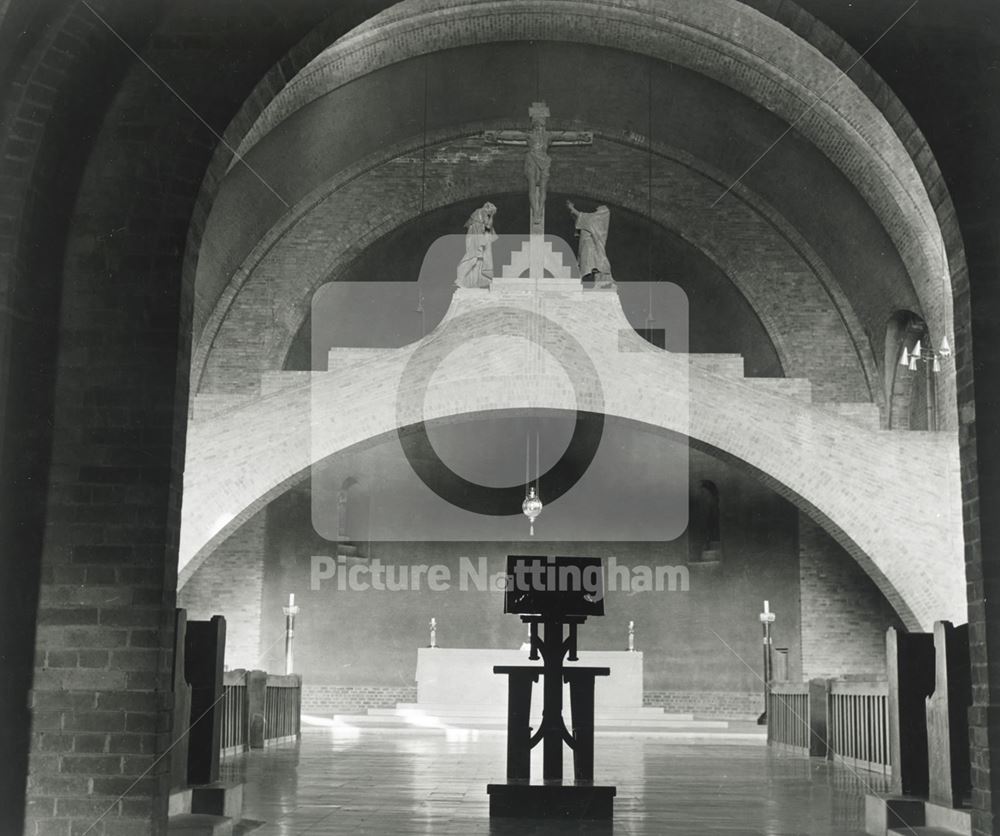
463, 678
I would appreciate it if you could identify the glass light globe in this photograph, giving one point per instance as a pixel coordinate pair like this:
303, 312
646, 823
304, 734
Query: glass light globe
532, 507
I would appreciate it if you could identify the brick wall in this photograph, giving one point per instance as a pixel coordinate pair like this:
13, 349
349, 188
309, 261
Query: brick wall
231, 584
48, 109
733, 705
844, 616
99, 699
107, 161
353, 699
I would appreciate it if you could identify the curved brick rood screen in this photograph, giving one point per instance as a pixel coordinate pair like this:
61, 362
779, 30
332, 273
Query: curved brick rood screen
826, 463
281, 365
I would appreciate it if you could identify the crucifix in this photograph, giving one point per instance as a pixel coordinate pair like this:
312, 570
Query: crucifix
537, 162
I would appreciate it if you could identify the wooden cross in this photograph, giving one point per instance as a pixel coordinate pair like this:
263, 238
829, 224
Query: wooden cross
537, 162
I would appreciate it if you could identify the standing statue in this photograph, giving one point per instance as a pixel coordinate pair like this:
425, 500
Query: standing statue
537, 162
476, 267
592, 227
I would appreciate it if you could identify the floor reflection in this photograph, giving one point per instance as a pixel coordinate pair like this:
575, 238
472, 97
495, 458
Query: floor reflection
424, 783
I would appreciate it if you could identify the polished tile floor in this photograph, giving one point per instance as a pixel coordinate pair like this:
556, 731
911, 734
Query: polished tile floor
332, 782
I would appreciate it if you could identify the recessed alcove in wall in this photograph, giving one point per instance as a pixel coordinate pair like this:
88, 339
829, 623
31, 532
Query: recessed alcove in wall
910, 392
704, 523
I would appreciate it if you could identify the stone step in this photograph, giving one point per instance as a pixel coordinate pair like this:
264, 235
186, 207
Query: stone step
443, 709
922, 830
221, 799
545, 285
536, 253
745, 734
199, 824
179, 802
420, 720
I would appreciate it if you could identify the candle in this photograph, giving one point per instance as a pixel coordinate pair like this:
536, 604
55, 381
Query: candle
291, 599
767, 607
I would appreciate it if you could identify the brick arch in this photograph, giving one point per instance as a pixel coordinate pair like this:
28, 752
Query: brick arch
798, 449
789, 278
51, 114
101, 168
739, 47
325, 30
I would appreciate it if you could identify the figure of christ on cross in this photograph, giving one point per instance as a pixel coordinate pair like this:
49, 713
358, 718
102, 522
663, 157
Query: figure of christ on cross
537, 161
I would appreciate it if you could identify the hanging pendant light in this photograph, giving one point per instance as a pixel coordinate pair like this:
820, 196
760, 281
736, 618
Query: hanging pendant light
532, 507
905, 359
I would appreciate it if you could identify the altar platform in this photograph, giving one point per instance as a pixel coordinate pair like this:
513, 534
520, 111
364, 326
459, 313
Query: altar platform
457, 690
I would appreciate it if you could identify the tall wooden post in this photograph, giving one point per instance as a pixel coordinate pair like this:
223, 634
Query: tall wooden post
948, 717
182, 707
204, 650
552, 692
910, 667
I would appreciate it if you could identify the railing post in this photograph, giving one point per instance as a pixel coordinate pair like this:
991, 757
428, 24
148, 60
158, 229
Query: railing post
298, 706
819, 705
256, 700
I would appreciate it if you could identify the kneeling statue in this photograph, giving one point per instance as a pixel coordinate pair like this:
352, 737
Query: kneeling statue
476, 267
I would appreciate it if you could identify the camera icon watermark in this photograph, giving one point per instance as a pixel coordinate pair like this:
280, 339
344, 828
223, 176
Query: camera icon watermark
477, 396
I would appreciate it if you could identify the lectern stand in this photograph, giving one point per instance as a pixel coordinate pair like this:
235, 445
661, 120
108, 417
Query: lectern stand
554, 616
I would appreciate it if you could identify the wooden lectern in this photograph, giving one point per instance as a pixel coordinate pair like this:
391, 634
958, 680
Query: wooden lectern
554, 596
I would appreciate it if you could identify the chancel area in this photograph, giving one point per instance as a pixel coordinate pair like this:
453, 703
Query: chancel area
497, 417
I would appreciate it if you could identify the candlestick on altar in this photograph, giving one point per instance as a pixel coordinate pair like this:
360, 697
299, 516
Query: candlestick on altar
433, 625
631, 637
766, 620
290, 612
